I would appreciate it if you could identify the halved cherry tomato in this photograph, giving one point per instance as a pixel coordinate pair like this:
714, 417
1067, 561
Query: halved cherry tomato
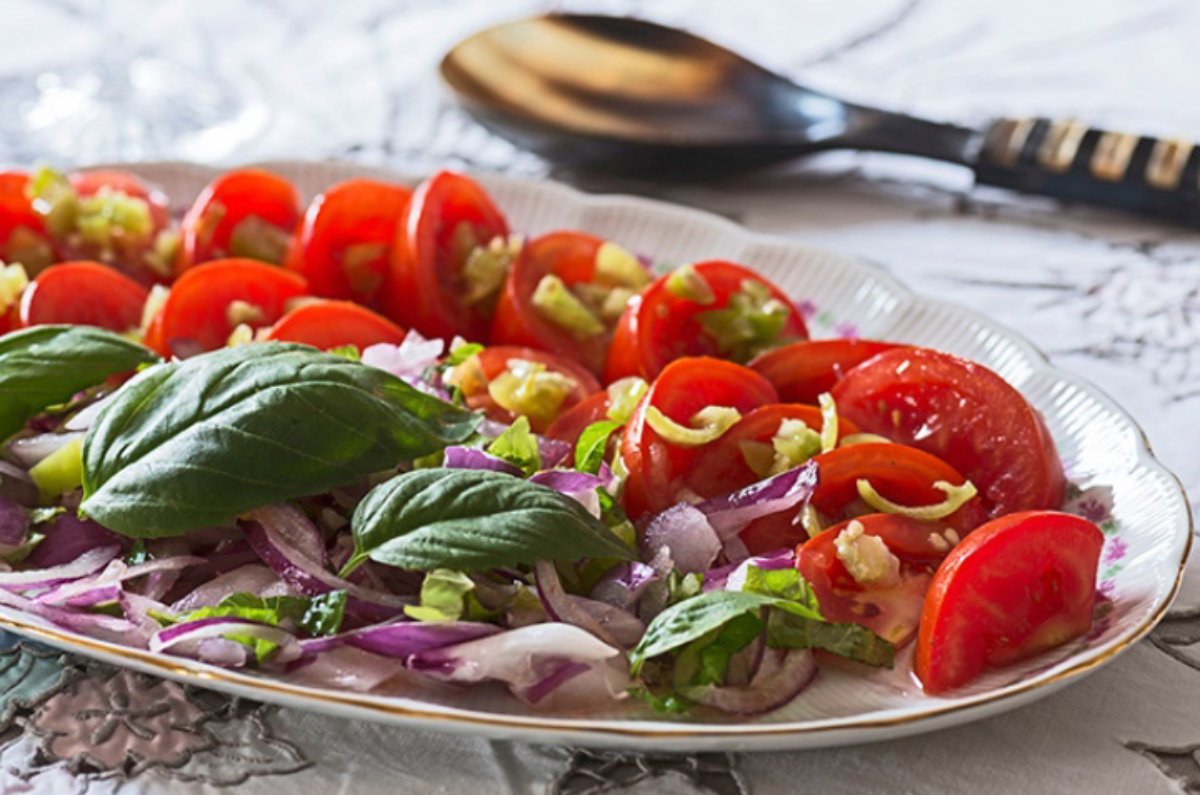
963, 413
721, 467
83, 293
23, 236
344, 242
571, 256
89, 183
448, 215
474, 376
570, 424
659, 326
197, 315
891, 610
246, 213
1019, 585
803, 370
332, 324
685, 386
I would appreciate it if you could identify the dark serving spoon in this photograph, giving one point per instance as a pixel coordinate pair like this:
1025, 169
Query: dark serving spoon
627, 95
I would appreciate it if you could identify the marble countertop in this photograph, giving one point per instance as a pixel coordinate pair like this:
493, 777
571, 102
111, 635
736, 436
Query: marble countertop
1114, 299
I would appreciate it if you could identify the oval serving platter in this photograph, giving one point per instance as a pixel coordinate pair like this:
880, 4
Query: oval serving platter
1115, 478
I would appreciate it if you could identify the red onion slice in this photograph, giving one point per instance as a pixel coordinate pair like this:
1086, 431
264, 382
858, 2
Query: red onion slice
32, 449
732, 512
611, 624
686, 533
253, 578
460, 457
94, 625
185, 639
402, 639
781, 675
87, 563
14, 524
107, 585
623, 585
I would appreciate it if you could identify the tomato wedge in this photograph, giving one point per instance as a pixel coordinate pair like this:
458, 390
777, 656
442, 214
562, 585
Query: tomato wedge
344, 242
449, 215
963, 413
892, 610
656, 467
1019, 585
660, 325
571, 256
803, 370
86, 294
200, 312
477, 379
247, 213
23, 236
328, 324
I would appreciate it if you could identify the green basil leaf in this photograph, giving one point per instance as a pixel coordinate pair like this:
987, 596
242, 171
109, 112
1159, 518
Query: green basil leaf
592, 444
460, 353
788, 585
518, 446
46, 365
443, 596
194, 443
786, 630
317, 615
686, 621
469, 520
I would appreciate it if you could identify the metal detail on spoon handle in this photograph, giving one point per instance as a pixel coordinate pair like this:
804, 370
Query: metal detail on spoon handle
1068, 160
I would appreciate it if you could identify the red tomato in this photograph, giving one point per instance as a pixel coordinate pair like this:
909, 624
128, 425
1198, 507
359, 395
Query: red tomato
904, 475
333, 324
721, 467
963, 413
343, 244
685, 386
425, 284
571, 256
659, 326
196, 315
1017, 586
803, 370
570, 424
892, 611
23, 236
89, 183
247, 213
86, 294
474, 376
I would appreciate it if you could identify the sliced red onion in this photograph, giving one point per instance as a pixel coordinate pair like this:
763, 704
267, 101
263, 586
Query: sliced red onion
107, 585
271, 532
552, 451
781, 675
411, 357
138, 610
552, 681
84, 418
253, 578
623, 585
32, 449
685, 532
521, 658
579, 486
733, 576
732, 512
87, 563
402, 639
346, 668
459, 457
184, 639
94, 625
16, 485
14, 525
611, 624
68, 538
221, 651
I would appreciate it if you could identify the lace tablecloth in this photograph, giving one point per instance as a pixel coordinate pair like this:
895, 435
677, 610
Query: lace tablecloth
1115, 300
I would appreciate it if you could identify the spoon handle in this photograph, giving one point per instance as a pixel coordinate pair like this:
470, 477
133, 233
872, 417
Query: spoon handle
1068, 160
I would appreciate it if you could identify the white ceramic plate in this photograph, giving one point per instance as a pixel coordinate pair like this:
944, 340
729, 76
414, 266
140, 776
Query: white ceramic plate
1138, 503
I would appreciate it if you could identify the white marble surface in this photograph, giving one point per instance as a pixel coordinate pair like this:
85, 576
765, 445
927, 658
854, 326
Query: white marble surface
1111, 298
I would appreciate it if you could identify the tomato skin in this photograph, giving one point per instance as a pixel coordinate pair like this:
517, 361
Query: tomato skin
658, 326
83, 293
492, 361
1019, 585
684, 387
570, 424
424, 283
963, 413
18, 216
356, 213
571, 256
330, 324
802, 370
893, 612
227, 201
194, 317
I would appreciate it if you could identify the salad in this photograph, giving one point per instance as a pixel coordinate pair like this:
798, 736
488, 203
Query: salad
383, 443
